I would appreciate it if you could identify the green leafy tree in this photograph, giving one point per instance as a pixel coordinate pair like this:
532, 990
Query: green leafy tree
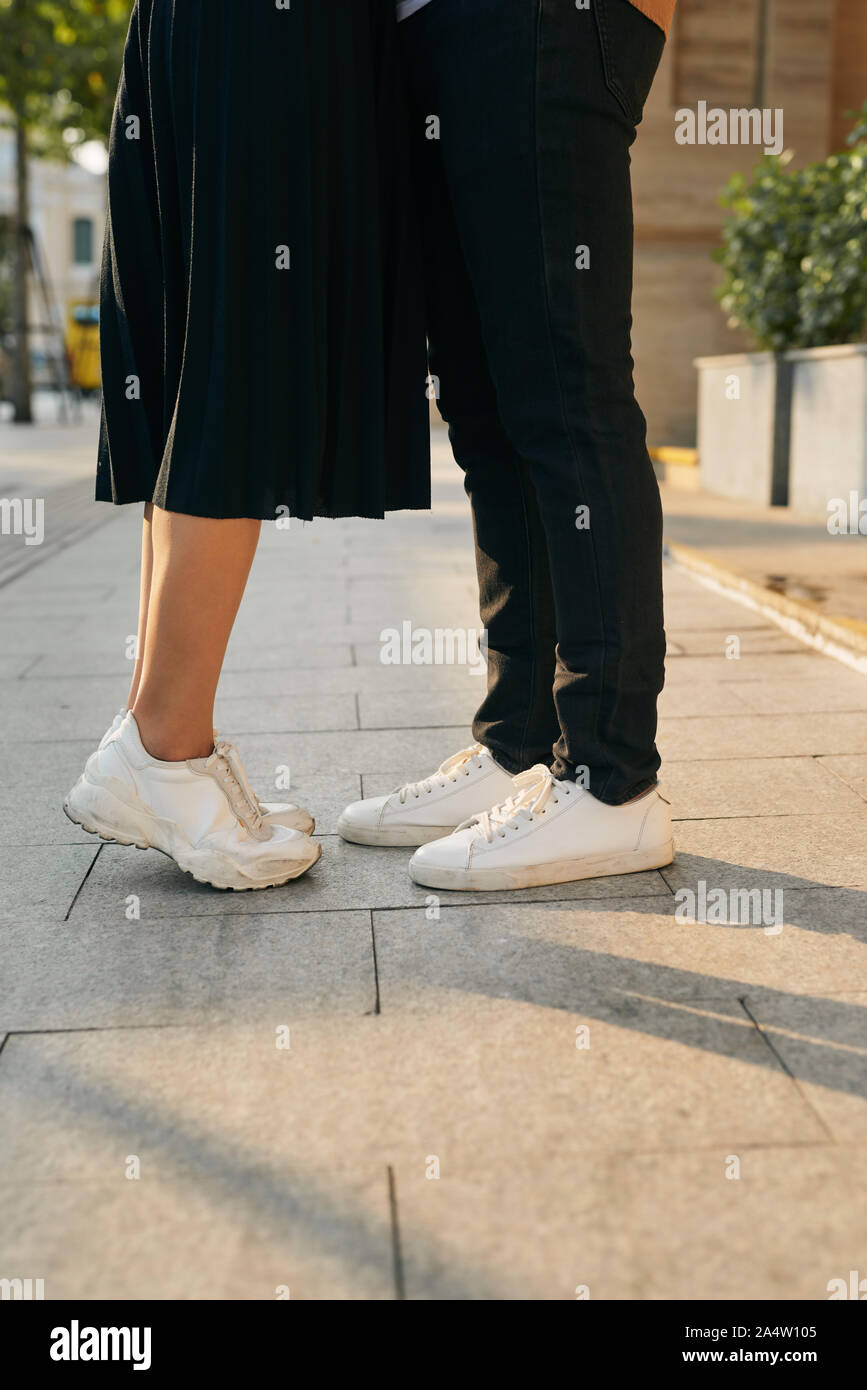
59, 65
795, 249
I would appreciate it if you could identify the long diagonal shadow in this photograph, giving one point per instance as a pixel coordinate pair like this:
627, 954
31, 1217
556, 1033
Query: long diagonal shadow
297, 1207
701, 1011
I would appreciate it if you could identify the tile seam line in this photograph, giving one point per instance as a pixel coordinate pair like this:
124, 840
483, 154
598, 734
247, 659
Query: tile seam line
372, 927
769, 1044
80, 887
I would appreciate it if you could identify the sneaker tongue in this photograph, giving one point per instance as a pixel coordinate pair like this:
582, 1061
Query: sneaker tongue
457, 760
530, 786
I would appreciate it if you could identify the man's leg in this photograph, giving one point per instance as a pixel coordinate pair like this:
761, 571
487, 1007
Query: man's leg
517, 720
535, 147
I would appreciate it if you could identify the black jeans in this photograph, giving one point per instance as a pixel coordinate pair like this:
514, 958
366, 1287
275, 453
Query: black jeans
525, 111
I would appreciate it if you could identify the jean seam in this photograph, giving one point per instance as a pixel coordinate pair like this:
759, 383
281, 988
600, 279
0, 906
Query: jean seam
611, 81
532, 614
558, 378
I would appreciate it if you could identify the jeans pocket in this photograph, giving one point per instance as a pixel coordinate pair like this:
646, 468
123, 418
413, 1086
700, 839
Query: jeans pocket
632, 46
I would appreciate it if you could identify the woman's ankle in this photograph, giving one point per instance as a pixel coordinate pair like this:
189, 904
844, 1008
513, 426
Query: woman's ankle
171, 740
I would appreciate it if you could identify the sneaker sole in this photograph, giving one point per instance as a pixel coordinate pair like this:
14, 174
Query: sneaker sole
394, 837
92, 819
539, 875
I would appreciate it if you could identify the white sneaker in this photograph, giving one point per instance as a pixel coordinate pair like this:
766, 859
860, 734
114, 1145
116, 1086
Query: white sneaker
197, 812
274, 812
466, 784
112, 729
549, 832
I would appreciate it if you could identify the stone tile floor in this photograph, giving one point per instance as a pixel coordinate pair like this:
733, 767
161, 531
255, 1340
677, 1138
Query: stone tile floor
358, 1090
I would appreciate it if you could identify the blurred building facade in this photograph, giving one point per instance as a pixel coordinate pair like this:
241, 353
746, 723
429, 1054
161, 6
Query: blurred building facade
807, 57
67, 214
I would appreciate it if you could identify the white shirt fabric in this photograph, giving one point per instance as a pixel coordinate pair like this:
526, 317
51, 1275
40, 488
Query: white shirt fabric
407, 7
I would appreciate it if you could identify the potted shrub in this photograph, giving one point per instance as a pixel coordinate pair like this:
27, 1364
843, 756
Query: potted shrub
788, 423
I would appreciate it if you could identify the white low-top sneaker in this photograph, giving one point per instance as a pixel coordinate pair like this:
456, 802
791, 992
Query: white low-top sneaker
274, 812
548, 832
466, 784
197, 812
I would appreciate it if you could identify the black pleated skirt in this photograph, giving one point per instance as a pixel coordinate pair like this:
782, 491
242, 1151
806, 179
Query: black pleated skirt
262, 327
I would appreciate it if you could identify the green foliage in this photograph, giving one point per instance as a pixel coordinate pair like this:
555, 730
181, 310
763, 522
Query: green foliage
59, 65
795, 249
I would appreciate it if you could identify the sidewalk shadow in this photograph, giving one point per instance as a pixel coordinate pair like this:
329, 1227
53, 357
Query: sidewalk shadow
817, 1039
278, 1198
850, 903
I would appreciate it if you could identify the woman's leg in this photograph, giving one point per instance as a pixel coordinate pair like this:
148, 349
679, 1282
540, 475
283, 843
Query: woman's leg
159, 780
147, 569
197, 580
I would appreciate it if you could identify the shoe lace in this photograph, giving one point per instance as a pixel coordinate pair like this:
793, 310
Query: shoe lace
535, 788
449, 771
227, 767
241, 773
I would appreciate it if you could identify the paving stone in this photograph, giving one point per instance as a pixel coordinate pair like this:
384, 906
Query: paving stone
187, 1103
761, 736
21, 636
118, 973
638, 1226
277, 656
36, 819
363, 750
261, 631
346, 877
294, 714
50, 764
709, 612
771, 667
340, 754
563, 954
476, 1079
433, 710
823, 1043
222, 1100
835, 690
14, 667
851, 770
754, 787
770, 852
370, 681
239, 1233
697, 641
35, 587
700, 698
81, 710
37, 884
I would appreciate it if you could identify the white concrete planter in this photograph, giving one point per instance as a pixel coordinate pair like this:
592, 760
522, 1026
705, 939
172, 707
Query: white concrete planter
829, 426
743, 425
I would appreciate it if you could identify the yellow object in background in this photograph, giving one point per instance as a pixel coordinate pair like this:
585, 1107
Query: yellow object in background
82, 343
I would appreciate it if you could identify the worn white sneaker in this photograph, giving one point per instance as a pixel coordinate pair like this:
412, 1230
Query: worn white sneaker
548, 832
467, 783
274, 812
197, 812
